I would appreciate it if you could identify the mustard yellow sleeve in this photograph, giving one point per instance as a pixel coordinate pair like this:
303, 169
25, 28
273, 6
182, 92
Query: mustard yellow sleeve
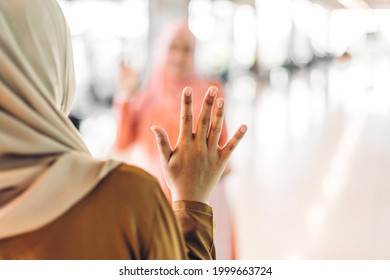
189, 235
196, 222
153, 230
164, 239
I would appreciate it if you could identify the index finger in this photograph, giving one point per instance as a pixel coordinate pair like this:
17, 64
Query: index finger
186, 115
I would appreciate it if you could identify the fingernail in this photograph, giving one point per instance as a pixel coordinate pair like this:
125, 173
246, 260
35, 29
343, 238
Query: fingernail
243, 128
213, 92
188, 92
219, 104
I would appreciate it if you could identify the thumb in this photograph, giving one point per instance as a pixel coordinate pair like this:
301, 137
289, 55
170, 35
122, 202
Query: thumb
164, 147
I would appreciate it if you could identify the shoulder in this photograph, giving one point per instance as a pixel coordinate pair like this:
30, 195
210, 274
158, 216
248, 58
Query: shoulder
125, 172
128, 187
131, 178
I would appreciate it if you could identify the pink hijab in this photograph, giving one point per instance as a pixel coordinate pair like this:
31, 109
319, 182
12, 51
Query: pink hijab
164, 86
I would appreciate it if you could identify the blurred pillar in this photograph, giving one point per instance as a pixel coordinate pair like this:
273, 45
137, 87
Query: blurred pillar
162, 12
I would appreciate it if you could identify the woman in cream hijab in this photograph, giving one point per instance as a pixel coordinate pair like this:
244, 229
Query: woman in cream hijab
54, 197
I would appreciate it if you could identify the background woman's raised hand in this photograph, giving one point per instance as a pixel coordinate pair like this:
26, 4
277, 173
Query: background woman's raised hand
194, 166
128, 80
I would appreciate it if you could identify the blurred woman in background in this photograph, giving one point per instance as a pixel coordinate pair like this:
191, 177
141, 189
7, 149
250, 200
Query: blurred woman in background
157, 103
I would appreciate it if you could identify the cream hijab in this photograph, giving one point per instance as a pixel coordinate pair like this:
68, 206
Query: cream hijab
45, 168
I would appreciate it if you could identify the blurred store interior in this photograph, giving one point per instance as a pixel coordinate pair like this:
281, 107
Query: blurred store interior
311, 79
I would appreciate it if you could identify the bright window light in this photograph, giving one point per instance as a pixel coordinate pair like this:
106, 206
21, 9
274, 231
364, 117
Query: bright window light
201, 21
274, 25
244, 30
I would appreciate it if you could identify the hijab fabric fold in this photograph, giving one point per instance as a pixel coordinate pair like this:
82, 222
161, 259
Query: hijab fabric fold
45, 167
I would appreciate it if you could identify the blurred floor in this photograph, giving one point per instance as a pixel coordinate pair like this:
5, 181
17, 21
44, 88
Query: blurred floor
311, 179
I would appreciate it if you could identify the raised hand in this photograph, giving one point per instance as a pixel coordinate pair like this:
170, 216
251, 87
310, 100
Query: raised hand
194, 166
128, 80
